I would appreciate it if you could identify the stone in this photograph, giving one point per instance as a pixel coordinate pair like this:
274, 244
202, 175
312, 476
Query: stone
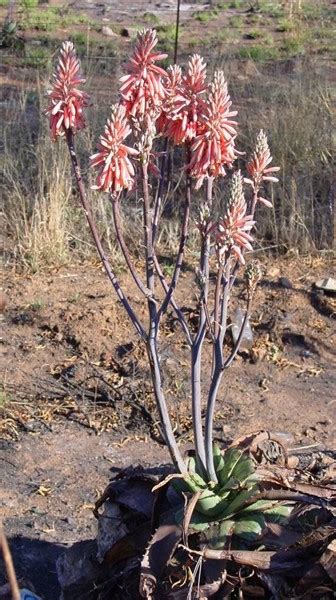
328, 284
108, 31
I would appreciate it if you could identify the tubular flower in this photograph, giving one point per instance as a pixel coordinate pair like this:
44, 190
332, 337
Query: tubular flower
258, 168
142, 89
116, 171
214, 146
185, 105
232, 232
66, 101
172, 84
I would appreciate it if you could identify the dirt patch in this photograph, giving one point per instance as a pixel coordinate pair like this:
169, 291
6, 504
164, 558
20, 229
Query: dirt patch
66, 341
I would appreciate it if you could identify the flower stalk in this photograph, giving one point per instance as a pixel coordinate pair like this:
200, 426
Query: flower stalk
92, 224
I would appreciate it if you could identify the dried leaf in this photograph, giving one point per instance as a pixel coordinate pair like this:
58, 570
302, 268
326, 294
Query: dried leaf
328, 560
188, 514
159, 551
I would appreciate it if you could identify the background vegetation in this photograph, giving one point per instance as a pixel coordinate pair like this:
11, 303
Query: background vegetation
278, 63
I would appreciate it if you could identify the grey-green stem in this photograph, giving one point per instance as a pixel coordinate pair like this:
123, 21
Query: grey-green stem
152, 349
88, 213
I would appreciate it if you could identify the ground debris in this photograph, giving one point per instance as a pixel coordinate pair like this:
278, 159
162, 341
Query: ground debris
177, 561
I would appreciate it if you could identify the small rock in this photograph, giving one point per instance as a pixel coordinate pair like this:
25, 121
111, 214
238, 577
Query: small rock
108, 31
328, 284
28, 595
273, 272
69, 521
246, 342
128, 32
258, 354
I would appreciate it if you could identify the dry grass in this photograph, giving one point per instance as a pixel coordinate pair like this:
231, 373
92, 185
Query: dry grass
290, 100
43, 221
37, 216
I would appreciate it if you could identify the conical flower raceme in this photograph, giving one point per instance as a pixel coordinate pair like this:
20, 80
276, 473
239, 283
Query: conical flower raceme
258, 168
172, 84
204, 222
66, 101
214, 147
232, 232
185, 105
116, 171
142, 89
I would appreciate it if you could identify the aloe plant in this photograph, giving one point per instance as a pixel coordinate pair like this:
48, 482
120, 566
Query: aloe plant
228, 507
226, 500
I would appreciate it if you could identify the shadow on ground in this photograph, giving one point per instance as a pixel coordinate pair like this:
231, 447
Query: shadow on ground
35, 565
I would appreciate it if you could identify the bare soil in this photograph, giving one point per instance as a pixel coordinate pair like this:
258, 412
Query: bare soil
77, 404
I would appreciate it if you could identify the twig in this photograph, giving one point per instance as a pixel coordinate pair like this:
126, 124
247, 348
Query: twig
7, 558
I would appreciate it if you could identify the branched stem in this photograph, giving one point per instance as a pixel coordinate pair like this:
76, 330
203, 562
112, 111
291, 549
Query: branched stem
217, 373
196, 354
88, 212
152, 349
123, 246
175, 307
181, 250
235, 350
159, 192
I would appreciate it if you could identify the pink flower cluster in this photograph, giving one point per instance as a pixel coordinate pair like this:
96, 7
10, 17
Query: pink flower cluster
214, 147
232, 231
142, 94
258, 168
116, 171
142, 89
182, 107
66, 101
184, 103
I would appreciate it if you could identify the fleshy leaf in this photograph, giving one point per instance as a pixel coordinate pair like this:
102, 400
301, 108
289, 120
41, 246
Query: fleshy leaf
278, 513
218, 459
216, 535
237, 503
243, 469
250, 527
